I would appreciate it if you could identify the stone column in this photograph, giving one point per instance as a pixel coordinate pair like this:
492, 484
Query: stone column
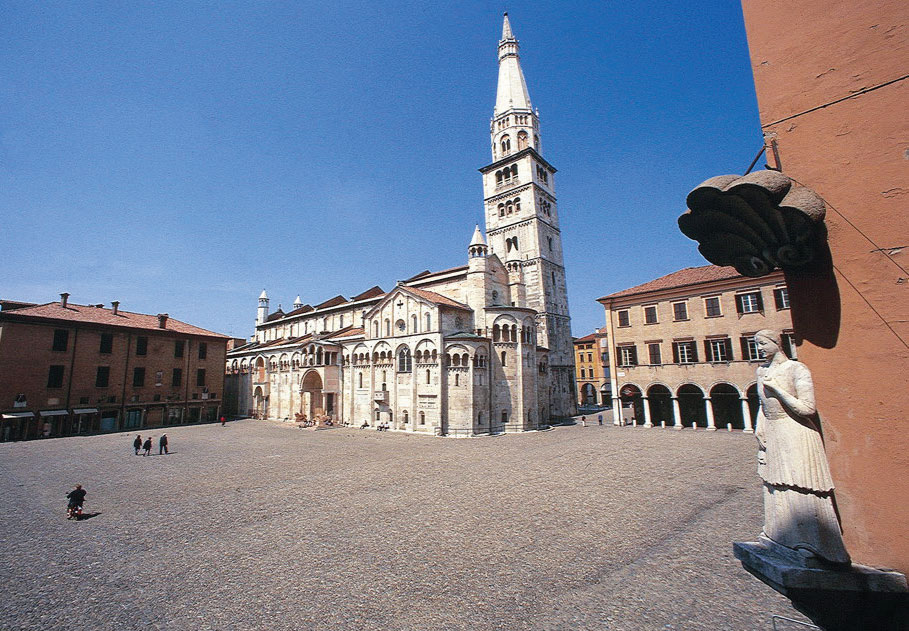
708, 403
676, 413
616, 410
746, 416
647, 422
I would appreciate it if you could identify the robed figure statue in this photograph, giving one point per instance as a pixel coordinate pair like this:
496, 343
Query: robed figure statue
798, 491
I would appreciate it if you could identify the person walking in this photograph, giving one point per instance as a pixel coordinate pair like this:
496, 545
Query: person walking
147, 445
137, 444
162, 445
600, 419
223, 421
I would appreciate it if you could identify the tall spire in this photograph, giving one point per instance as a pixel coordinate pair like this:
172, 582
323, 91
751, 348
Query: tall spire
512, 89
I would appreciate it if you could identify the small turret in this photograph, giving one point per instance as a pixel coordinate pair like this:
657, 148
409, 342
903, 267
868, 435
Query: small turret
298, 303
477, 247
263, 308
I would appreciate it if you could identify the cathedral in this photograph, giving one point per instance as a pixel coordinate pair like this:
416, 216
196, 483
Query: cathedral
476, 349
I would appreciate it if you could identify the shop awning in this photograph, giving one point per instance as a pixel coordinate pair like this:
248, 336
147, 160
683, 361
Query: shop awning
18, 415
84, 410
54, 412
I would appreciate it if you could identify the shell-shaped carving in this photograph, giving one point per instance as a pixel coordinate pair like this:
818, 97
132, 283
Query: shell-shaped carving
755, 222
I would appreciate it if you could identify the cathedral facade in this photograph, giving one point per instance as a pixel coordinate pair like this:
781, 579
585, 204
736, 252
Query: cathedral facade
477, 349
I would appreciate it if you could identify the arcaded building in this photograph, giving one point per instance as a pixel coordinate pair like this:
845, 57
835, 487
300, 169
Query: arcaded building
591, 361
484, 347
683, 348
68, 369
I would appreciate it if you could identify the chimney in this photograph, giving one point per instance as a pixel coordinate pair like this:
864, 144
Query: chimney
116, 305
64, 297
162, 320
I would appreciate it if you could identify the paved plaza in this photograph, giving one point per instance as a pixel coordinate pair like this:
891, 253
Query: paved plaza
259, 525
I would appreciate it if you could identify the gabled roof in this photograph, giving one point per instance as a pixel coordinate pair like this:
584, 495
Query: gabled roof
463, 335
587, 338
84, 314
348, 331
332, 302
438, 299
373, 292
277, 315
299, 310
425, 274
681, 278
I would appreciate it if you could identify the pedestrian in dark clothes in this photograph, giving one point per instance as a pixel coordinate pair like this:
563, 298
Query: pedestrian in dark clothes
137, 444
223, 421
147, 445
162, 445
600, 419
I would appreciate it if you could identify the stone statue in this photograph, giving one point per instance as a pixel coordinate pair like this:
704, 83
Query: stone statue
798, 490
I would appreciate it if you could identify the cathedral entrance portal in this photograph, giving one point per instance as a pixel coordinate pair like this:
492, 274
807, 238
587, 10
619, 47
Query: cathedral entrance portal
261, 402
311, 395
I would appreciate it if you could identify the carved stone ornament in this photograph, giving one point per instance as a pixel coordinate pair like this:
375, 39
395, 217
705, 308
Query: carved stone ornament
755, 222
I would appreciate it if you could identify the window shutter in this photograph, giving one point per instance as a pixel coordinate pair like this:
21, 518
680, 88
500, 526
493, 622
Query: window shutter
708, 351
675, 352
744, 341
760, 300
738, 303
728, 343
694, 352
777, 294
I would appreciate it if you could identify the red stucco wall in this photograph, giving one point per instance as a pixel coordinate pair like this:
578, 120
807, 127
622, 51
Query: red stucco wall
853, 314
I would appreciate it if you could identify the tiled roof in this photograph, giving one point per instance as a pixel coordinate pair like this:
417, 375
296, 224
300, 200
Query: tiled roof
348, 331
439, 299
103, 316
373, 292
587, 338
427, 274
332, 302
299, 310
277, 315
681, 278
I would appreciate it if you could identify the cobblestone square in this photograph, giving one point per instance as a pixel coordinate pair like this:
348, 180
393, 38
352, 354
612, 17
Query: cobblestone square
258, 525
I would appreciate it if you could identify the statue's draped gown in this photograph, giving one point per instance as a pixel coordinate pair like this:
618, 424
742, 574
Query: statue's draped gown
798, 488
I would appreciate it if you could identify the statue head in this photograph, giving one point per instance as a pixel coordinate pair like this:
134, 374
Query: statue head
771, 336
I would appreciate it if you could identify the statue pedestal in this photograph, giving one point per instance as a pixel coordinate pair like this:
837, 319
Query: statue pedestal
836, 599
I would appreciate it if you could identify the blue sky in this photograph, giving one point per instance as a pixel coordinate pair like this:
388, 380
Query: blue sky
181, 156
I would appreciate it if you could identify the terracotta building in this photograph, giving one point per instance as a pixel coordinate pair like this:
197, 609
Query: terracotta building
591, 361
832, 90
683, 348
69, 369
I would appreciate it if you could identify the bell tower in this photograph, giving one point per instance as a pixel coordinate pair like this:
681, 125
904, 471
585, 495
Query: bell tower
522, 219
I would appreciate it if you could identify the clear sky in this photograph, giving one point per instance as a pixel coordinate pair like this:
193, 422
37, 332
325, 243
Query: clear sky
181, 156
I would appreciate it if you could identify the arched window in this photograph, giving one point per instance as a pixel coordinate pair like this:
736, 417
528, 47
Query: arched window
501, 210
522, 140
517, 205
498, 177
503, 358
435, 356
495, 297
422, 418
514, 170
405, 417
375, 328
405, 362
496, 333
387, 327
413, 323
428, 376
384, 381
506, 144
377, 415
361, 380
514, 332
428, 322
455, 360
549, 241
